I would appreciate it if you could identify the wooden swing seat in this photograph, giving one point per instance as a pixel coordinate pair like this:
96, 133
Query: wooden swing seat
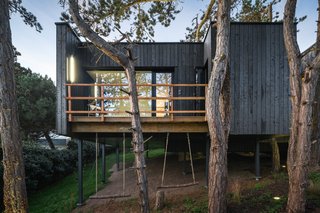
177, 185
109, 196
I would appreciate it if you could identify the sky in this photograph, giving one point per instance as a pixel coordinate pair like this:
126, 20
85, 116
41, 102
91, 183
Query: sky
39, 49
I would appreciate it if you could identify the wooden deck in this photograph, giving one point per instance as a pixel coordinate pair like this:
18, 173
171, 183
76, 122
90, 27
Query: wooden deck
178, 124
104, 120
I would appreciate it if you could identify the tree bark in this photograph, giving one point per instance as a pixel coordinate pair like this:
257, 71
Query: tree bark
137, 139
218, 112
315, 145
49, 140
302, 99
15, 195
127, 62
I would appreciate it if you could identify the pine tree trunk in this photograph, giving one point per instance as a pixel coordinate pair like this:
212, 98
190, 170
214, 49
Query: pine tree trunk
127, 62
49, 140
15, 195
218, 113
137, 139
302, 91
298, 164
315, 146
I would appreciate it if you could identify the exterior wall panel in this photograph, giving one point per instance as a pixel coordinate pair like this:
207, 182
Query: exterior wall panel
259, 79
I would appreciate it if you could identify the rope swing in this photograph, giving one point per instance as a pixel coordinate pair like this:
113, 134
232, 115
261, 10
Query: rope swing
123, 173
162, 186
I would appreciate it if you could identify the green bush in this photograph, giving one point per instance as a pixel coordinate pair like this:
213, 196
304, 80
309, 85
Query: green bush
44, 166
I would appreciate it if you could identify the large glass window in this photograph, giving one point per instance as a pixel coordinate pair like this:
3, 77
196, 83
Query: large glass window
116, 91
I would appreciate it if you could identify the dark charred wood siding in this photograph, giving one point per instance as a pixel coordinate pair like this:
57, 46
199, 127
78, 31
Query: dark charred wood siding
259, 79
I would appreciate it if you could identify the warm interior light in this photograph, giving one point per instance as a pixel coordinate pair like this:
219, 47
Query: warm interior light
68, 71
96, 91
283, 166
276, 198
72, 71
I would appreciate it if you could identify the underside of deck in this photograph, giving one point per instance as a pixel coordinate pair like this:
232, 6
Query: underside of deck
178, 124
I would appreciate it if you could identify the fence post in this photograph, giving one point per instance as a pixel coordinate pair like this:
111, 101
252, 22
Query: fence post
80, 172
69, 103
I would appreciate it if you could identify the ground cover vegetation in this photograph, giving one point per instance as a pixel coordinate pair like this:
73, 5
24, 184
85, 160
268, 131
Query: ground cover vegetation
61, 196
245, 195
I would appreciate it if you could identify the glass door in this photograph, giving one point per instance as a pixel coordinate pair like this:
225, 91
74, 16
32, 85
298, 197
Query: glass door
163, 91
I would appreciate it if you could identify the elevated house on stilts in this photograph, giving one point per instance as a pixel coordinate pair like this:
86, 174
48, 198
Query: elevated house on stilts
172, 78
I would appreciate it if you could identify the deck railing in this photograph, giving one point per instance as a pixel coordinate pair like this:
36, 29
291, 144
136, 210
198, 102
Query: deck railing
100, 98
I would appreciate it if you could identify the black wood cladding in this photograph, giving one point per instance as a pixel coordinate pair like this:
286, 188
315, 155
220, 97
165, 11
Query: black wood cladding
258, 65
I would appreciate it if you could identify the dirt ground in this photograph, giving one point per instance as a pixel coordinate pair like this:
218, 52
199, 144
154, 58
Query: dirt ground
176, 173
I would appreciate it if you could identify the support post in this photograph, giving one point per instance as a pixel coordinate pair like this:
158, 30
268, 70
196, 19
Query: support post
257, 160
207, 159
80, 172
275, 155
103, 163
185, 171
117, 157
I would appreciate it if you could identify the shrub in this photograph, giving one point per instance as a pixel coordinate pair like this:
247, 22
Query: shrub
44, 166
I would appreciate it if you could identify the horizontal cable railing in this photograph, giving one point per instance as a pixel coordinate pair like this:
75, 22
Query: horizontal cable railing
101, 97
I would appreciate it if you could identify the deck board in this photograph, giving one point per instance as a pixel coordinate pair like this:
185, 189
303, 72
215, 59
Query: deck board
179, 124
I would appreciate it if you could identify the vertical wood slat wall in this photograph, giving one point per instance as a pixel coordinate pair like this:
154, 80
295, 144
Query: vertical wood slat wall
259, 78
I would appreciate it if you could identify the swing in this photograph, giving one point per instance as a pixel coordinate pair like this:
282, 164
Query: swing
162, 186
123, 174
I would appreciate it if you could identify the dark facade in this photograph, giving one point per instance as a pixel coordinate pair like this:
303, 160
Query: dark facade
259, 73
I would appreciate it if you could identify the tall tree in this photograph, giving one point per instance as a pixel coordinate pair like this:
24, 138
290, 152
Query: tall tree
36, 96
241, 10
302, 90
257, 11
218, 112
15, 195
97, 19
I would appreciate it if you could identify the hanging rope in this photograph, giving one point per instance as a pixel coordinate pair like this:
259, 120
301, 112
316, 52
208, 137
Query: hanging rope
97, 152
165, 159
191, 161
162, 186
123, 174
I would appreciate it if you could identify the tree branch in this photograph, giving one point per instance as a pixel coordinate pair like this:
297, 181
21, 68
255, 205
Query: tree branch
292, 49
205, 18
100, 43
127, 6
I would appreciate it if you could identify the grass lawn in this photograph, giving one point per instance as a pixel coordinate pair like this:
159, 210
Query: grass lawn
62, 196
